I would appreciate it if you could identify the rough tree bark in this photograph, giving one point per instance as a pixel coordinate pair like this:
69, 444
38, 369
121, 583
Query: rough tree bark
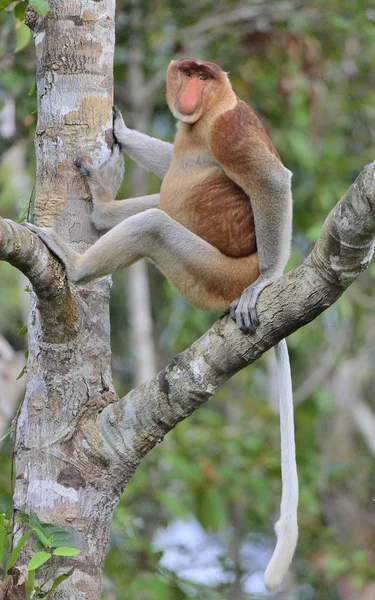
77, 443
68, 370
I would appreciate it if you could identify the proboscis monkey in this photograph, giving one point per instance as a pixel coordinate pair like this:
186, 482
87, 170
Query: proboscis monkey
220, 229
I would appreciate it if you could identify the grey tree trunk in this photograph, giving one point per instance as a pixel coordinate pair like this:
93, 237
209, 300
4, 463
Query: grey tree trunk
59, 463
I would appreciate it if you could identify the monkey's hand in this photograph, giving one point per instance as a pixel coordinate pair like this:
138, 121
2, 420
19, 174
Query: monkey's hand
243, 309
104, 182
69, 258
119, 128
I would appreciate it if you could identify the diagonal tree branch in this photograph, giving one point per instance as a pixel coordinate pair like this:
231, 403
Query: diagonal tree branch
130, 427
133, 425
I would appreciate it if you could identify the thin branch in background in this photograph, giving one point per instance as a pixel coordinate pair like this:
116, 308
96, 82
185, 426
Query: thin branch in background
320, 374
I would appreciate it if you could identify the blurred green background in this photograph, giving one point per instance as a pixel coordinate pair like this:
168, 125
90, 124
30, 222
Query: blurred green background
196, 520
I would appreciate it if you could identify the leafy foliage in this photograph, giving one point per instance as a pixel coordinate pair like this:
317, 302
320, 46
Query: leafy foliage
45, 536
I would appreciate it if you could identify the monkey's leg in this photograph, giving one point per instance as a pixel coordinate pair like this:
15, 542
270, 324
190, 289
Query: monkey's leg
103, 184
152, 154
199, 272
109, 214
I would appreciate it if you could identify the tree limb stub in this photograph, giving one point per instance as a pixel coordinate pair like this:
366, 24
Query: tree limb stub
26, 252
132, 426
57, 302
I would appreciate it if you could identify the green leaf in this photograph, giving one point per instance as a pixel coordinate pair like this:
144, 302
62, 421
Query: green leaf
32, 90
2, 536
40, 6
17, 550
5, 3
22, 517
211, 509
59, 580
66, 551
8, 433
19, 11
57, 535
21, 374
24, 204
44, 540
29, 584
34, 521
23, 36
22, 331
23, 215
38, 560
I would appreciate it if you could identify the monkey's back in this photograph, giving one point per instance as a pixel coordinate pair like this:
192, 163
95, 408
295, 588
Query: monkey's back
198, 194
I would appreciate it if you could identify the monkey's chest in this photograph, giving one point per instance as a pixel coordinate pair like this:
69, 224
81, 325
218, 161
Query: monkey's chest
212, 206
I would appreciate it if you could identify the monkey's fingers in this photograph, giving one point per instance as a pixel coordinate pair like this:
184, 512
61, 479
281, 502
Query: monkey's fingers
240, 313
244, 308
119, 127
116, 112
233, 307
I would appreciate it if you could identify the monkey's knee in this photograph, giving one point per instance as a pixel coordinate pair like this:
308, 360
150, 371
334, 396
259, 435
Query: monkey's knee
101, 218
153, 222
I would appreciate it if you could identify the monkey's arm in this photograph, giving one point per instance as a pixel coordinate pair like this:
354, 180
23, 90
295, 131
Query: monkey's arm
271, 201
252, 166
151, 153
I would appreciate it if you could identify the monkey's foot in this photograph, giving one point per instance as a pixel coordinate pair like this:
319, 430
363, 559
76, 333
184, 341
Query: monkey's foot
59, 248
119, 127
104, 181
243, 309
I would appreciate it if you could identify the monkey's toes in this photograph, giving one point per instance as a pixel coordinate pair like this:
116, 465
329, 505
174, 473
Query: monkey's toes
35, 228
116, 152
83, 166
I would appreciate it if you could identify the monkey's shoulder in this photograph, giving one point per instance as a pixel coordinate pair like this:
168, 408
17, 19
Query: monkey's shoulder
237, 134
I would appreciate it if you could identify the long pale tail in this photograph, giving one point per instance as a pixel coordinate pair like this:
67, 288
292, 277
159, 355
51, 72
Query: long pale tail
287, 527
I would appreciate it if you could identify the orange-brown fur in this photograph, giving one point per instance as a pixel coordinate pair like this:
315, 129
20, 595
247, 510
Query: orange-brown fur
207, 189
214, 208
204, 199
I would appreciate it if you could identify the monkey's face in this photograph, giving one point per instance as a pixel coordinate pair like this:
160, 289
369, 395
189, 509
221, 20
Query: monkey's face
191, 86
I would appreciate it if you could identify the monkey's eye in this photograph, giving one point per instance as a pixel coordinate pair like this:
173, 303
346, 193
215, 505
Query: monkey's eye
187, 73
203, 76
